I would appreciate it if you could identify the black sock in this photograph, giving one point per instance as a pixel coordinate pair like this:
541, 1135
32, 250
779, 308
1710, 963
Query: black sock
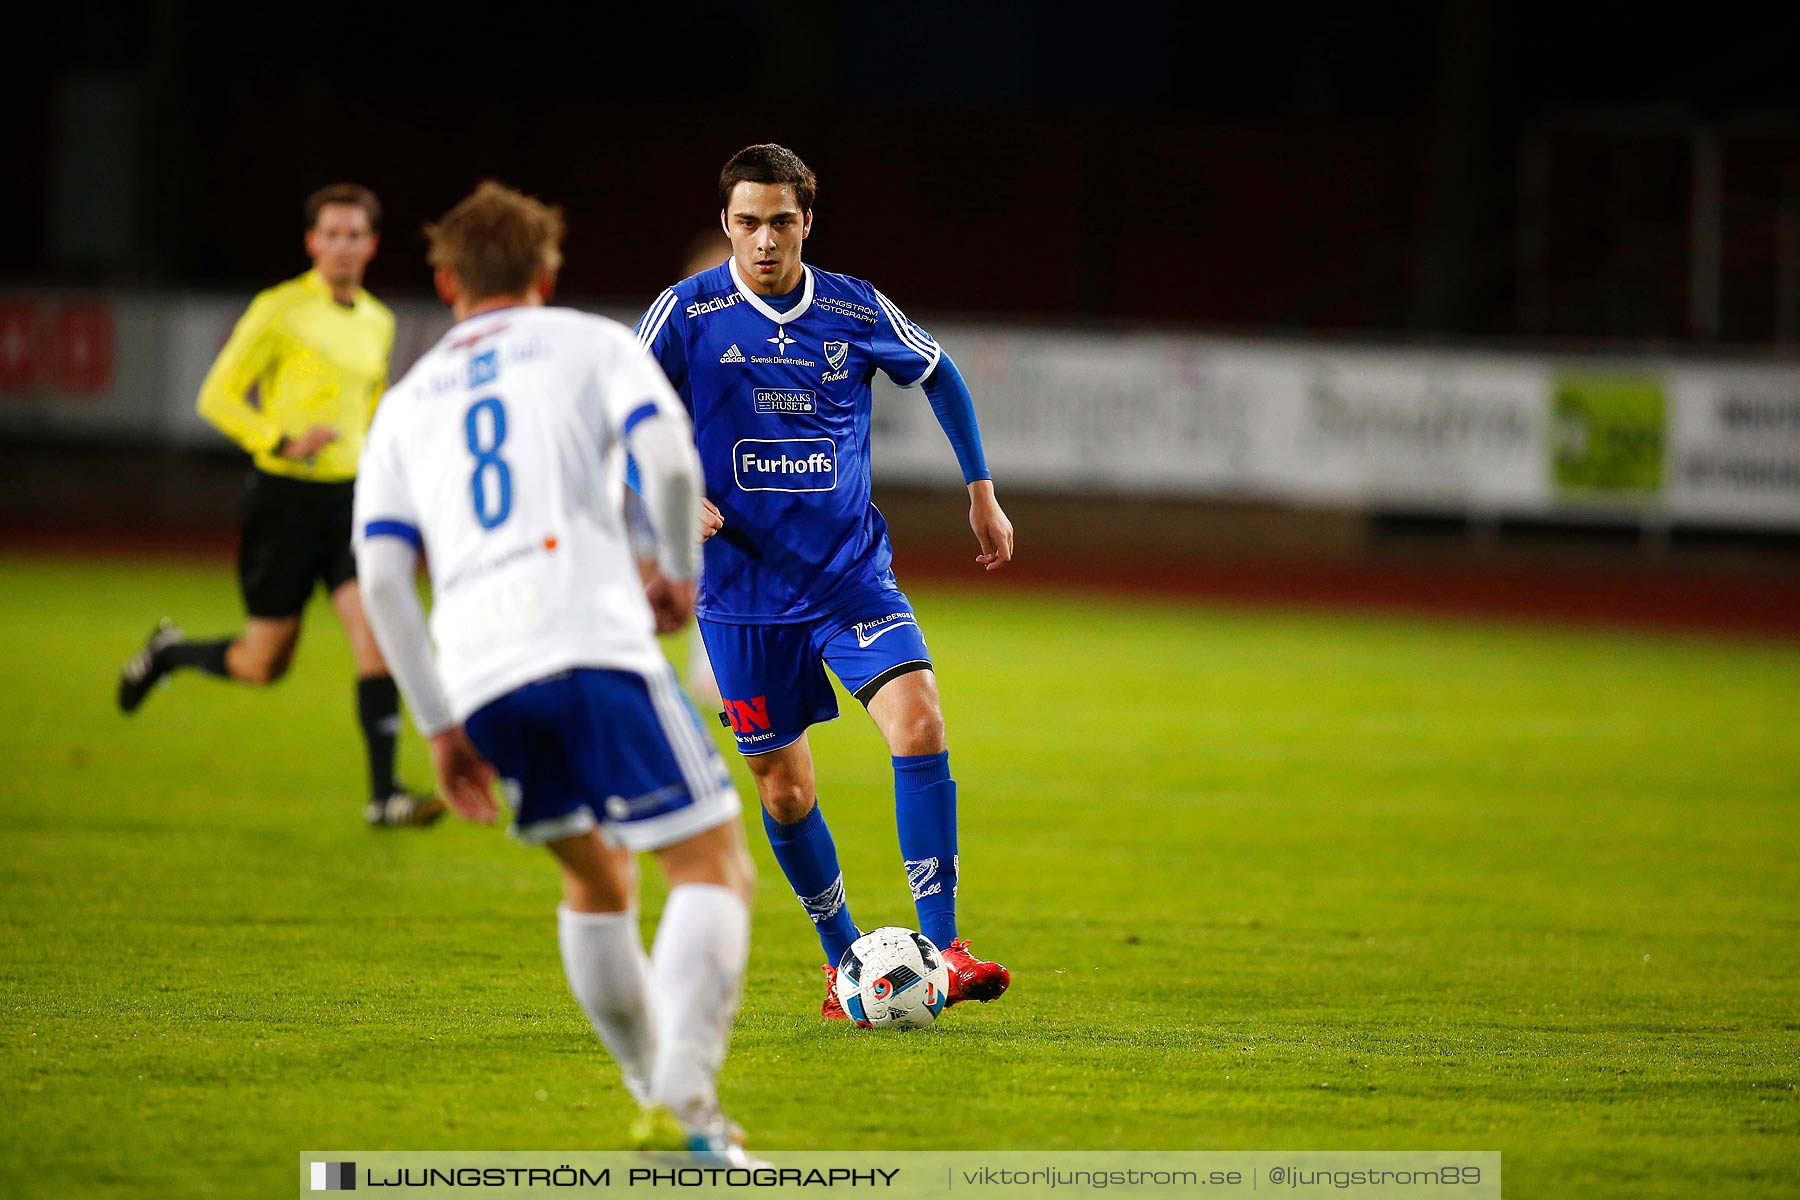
202, 656
378, 711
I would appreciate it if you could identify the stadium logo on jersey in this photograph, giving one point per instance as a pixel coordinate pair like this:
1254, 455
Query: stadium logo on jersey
701, 308
868, 631
786, 400
785, 465
732, 355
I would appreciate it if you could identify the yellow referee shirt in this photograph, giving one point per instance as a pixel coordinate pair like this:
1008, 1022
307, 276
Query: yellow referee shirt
312, 362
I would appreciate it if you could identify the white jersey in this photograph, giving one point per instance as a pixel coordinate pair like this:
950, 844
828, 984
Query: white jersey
501, 456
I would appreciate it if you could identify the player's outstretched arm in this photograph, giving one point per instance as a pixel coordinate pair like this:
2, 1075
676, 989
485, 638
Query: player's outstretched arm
955, 412
992, 528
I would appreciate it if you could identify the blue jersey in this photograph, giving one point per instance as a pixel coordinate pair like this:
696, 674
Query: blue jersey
780, 402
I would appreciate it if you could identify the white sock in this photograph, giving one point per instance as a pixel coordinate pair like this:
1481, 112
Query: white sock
603, 957
702, 946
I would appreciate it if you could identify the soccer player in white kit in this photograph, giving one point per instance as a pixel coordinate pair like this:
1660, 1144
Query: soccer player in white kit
500, 456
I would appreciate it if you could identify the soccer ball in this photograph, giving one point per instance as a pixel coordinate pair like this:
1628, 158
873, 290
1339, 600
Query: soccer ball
893, 978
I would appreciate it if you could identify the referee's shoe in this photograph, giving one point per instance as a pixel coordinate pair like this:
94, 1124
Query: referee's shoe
147, 667
401, 809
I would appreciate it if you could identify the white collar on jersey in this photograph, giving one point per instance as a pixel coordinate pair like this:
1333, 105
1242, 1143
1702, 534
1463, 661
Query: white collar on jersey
762, 306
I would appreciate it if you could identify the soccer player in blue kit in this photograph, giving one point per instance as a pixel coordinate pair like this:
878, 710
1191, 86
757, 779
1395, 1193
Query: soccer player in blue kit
774, 360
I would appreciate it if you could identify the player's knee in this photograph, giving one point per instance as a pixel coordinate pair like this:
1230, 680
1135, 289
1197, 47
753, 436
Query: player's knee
733, 869
262, 670
740, 875
787, 800
719, 857
589, 886
592, 895
784, 784
367, 656
920, 732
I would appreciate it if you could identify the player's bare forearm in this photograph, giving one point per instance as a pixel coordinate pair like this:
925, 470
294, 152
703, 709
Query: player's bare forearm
992, 529
307, 444
671, 602
465, 780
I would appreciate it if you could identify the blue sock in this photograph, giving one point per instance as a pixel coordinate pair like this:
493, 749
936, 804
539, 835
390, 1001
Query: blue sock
925, 810
808, 858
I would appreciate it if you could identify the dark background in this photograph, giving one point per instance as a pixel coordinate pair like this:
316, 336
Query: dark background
1601, 173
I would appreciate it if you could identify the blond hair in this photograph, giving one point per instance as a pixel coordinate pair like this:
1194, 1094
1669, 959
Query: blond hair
497, 241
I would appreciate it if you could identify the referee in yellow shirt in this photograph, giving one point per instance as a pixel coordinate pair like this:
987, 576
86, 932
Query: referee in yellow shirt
315, 350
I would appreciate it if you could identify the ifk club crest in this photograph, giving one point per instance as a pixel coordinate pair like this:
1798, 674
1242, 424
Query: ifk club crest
836, 353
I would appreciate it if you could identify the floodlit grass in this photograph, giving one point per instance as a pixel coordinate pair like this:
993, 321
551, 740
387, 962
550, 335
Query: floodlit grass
1264, 880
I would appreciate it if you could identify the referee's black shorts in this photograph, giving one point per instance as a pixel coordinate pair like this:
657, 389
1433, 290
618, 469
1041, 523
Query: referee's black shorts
296, 534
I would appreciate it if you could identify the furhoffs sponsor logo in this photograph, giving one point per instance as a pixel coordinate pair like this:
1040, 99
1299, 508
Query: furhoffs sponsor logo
785, 464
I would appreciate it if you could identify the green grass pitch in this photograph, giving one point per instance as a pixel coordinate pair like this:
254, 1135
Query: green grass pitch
1264, 879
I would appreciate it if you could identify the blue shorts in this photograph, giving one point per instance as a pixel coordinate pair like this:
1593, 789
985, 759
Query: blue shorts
614, 749
772, 677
